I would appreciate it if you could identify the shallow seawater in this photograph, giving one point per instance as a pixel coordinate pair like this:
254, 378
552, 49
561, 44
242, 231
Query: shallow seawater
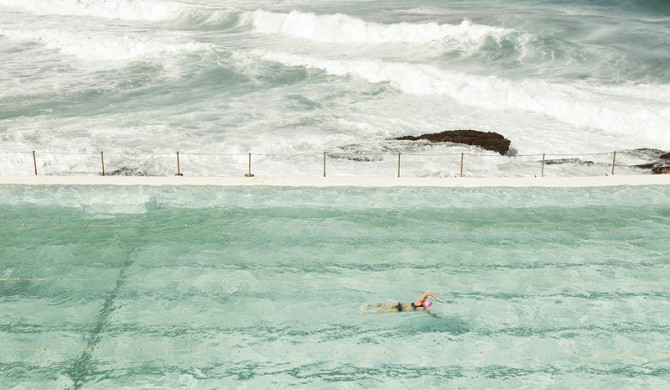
162, 287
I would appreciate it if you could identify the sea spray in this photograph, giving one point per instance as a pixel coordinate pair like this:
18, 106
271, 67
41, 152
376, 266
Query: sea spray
147, 10
140, 80
604, 108
346, 29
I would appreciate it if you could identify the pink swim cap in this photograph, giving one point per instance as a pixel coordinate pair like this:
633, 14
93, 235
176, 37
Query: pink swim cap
427, 303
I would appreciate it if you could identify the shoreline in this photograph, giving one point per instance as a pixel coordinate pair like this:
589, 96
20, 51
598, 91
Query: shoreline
341, 181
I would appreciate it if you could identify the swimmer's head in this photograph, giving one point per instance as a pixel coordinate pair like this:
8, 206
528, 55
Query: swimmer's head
427, 303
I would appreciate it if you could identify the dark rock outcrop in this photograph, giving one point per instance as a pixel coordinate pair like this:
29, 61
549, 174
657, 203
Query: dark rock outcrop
662, 167
126, 171
487, 140
655, 155
568, 161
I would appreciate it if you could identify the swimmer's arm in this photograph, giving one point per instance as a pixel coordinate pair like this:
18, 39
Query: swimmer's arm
431, 314
426, 295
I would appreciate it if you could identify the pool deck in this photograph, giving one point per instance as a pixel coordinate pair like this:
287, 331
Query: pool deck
341, 181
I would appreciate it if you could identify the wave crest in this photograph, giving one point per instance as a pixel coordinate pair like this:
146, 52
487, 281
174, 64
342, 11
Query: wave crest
342, 28
149, 10
102, 47
613, 109
206, 19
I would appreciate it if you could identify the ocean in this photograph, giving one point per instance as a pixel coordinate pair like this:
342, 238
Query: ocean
290, 80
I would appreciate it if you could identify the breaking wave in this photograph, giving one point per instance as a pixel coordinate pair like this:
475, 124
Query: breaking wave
613, 109
347, 29
150, 10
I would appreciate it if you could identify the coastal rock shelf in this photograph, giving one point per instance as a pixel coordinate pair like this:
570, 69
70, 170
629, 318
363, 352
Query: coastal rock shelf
498, 143
659, 166
487, 140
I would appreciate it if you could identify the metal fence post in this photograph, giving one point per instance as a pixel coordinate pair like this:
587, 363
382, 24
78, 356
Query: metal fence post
613, 161
178, 166
542, 173
249, 174
462, 164
398, 164
35, 163
324, 164
102, 161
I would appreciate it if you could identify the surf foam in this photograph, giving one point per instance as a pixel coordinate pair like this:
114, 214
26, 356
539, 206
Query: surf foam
149, 10
347, 29
613, 109
100, 47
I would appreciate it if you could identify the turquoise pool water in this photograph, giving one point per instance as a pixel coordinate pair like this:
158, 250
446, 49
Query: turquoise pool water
202, 287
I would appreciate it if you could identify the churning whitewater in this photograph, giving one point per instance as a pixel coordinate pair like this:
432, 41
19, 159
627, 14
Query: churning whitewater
140, 80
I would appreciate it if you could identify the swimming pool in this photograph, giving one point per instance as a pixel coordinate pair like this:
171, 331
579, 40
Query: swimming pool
209, 287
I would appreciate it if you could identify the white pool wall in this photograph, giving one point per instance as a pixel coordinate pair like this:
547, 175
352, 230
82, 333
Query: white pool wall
358, 181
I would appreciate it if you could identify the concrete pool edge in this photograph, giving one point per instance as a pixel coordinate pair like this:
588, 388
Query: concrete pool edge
341, 181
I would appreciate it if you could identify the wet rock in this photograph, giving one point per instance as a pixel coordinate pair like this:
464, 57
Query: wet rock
661, 168
658, 165
357, 152
125, 171
486, 140
578, 161
643, 153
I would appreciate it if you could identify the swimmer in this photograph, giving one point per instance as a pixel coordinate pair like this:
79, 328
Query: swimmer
421, 304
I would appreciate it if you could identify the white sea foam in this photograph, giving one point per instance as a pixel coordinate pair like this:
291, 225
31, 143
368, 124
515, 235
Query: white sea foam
347, 29
149, 10
423, 11
545, 87
100, 47
610, 109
